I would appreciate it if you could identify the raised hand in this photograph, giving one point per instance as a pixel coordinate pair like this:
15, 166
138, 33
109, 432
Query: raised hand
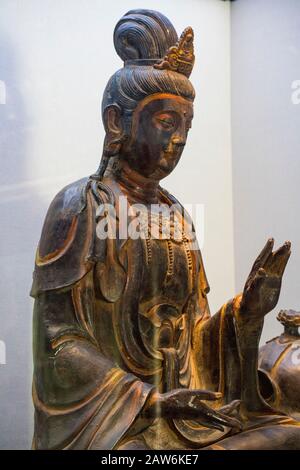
263, 285
260, 296
187, 404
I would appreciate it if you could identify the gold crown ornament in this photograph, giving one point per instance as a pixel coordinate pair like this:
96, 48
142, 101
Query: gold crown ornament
180, 58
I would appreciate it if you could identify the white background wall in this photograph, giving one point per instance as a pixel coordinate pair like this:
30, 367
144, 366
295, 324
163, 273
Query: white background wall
55, 60
266, 138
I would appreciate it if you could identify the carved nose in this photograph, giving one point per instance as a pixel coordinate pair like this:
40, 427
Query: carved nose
179, 142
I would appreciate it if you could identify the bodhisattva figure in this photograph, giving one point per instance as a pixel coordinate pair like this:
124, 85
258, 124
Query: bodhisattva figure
126, 353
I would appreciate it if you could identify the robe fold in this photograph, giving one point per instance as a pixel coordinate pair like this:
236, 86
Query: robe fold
116, 319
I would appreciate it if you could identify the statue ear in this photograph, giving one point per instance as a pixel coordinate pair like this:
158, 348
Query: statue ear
114, 129
112, 120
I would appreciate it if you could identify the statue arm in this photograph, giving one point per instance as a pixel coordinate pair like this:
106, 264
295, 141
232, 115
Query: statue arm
79, 392
74, 382
233, 333
216, 352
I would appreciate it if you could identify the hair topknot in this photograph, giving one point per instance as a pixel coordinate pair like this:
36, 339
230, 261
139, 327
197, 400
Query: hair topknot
140, 37
143, 34
146, 36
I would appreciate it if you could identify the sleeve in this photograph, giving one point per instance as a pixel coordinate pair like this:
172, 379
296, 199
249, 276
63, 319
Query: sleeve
215, 347
82, 399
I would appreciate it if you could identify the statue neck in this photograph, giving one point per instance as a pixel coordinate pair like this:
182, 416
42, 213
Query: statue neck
136, 185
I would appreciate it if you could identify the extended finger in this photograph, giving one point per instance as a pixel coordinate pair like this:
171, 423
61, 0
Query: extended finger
257, 280
276, 264
200, 394
206, 395
262, 257
220, 419
188, 395
231, 407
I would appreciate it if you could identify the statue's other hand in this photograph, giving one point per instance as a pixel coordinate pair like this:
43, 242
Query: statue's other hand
263, 285
187, 404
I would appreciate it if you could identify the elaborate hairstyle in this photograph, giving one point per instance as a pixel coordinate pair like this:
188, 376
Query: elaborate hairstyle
155, 61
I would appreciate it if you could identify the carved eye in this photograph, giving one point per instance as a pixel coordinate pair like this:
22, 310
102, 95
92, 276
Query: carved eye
166, 121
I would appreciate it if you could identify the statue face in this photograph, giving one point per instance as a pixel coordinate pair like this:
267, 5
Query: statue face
160, 125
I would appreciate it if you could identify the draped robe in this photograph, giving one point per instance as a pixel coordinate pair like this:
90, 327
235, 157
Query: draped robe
115, 319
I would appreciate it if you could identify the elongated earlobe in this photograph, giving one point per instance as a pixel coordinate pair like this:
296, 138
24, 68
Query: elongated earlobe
114, 130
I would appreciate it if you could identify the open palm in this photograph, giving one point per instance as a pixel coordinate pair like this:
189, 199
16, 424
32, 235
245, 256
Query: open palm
262, 288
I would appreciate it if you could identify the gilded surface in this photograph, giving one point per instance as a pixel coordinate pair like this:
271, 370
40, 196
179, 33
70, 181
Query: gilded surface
126, 352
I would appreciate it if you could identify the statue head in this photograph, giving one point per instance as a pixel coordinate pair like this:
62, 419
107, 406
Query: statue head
147, 107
